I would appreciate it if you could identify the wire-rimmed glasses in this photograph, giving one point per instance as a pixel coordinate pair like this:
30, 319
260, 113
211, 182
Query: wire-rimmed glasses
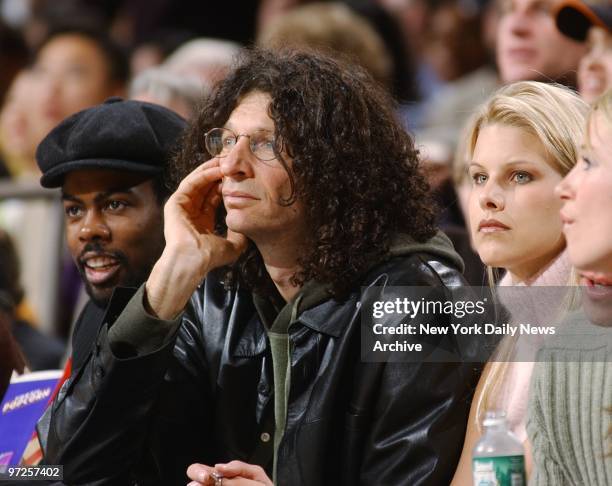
263, 144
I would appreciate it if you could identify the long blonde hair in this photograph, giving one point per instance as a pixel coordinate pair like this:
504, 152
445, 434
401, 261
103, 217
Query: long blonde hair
555, 115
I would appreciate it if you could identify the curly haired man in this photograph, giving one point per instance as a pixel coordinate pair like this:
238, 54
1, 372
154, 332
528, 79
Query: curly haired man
239, 359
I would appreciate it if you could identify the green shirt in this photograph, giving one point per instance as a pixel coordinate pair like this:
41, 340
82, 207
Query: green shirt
277, 317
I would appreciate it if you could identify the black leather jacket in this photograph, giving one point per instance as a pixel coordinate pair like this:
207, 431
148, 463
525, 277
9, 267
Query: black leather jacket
206, 396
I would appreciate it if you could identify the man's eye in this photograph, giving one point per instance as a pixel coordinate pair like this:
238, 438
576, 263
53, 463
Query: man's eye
264, 144
73, 211
115, 205
522, 177
228, 142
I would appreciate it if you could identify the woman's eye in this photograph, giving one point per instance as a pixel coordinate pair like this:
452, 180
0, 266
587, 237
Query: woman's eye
479, 178
522, 177
586, 163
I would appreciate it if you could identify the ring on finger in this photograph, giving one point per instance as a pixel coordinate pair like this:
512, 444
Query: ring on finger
217, 477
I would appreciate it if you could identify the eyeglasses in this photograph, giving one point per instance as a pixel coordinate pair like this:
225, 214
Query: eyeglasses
220, 142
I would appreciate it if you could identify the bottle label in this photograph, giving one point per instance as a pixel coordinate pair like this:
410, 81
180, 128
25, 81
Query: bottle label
499, 471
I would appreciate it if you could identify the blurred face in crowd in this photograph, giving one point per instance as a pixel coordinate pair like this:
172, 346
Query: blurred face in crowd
70, 74
595, 69
15, 129
513, 211
114, 228
529, 45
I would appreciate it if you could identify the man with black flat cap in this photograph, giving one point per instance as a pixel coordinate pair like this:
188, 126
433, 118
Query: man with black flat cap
109, 161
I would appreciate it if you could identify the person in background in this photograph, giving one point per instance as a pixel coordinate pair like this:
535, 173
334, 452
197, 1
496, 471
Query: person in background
74, 68
570, 406
335, 28
520, 144
593, 23
17, 140
529, 43
181, 94
526, 47
207, 59
41, 352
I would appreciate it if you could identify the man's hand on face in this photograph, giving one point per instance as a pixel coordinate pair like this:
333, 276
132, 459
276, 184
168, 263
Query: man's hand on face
235, 473
192, 249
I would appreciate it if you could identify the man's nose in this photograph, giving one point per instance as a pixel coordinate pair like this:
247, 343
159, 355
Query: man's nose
94, 227
239, 161
519, 23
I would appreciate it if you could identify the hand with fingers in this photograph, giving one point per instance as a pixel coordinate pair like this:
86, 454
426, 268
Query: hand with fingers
192, 248
235, 473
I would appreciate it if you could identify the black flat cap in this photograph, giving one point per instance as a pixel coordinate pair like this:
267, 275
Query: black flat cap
574, 18
118, 134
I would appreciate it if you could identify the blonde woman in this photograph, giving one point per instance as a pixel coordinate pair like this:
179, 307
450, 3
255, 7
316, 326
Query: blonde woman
520, 144
570, 414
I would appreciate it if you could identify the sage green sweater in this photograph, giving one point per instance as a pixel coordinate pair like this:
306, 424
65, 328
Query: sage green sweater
570, 409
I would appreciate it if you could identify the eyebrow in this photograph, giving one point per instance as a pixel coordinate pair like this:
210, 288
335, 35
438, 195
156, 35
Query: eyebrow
507, 164
257, 129
101, 196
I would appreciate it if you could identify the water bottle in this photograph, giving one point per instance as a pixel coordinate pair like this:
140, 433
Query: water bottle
498, 458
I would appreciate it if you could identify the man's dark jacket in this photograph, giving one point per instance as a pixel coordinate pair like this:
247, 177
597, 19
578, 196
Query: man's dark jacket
142, 409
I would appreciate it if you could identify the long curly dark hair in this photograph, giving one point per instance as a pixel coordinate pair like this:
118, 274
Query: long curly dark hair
355, 168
